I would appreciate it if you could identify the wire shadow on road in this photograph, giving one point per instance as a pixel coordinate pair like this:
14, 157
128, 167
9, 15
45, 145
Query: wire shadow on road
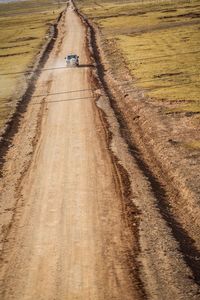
60, 93
49, 69
65, 100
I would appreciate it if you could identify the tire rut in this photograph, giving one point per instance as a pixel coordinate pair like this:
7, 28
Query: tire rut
190, 253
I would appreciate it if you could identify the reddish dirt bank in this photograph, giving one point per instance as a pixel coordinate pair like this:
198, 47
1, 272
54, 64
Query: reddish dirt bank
173, 181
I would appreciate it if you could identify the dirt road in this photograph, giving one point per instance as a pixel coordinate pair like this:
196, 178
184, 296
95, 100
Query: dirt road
68, 239
79, 220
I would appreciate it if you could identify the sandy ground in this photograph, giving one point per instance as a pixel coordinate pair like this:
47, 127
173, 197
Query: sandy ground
70, 228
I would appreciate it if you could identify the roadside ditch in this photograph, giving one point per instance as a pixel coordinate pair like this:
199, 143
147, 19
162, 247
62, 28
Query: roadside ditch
12, 124
21, 160
161, 175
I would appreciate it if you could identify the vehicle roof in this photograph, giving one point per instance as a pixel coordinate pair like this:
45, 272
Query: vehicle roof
72, 55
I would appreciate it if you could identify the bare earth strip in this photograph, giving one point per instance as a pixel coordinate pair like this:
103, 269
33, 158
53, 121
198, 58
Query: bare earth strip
67, 240
65, 234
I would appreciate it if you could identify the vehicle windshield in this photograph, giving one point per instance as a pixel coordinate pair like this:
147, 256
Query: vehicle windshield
71, 56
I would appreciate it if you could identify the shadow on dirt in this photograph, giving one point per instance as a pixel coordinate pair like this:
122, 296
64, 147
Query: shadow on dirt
60, 93
86, 66
49, 69
13, 123
187, 246
65, 100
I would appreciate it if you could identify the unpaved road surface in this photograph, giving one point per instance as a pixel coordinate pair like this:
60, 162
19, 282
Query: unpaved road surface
66, 240
70, 228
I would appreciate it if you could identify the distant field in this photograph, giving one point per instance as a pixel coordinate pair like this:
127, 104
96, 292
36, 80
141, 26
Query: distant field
23, 30
160, 43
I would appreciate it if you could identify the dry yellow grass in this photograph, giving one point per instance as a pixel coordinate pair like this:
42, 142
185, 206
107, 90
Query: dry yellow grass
23, 30
160, 44
193, 145
163, 64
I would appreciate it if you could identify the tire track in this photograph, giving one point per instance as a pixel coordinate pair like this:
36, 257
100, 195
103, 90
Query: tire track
190, 253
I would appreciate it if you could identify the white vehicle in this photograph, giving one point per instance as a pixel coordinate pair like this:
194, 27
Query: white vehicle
72, 60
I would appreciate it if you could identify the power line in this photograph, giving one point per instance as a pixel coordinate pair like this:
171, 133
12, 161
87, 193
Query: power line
134, 82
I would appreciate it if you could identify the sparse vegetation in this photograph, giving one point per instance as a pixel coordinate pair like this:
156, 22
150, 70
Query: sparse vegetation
194, 145
24, 27
160, 43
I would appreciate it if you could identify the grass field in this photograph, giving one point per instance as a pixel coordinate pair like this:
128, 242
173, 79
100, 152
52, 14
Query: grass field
160, 43
24, 29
